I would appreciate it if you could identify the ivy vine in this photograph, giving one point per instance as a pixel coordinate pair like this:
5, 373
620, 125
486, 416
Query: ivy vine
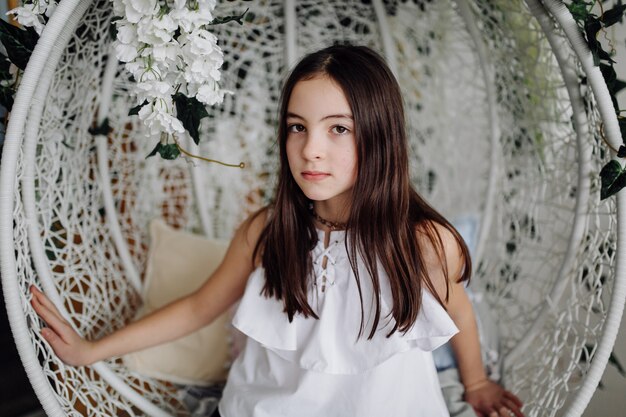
612, 175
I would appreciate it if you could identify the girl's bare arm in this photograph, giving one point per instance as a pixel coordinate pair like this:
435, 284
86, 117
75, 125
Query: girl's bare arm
485, 396
177, 319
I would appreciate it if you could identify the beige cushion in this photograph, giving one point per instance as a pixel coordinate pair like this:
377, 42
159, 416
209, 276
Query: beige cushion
179, 263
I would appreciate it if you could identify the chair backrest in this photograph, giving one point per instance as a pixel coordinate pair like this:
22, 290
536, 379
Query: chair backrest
499, 130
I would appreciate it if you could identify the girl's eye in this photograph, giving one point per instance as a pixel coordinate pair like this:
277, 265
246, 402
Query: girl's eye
295, 128
340, 130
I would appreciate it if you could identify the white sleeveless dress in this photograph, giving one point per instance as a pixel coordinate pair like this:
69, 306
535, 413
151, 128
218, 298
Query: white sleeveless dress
320, 368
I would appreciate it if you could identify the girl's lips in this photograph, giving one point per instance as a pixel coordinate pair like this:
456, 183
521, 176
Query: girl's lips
314, 176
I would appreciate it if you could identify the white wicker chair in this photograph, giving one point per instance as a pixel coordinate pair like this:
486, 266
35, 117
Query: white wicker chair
500, 129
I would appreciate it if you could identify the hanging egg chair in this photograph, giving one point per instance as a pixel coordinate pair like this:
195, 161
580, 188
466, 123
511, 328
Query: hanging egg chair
501, 131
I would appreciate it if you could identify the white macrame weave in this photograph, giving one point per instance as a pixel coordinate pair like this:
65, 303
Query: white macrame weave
500, 128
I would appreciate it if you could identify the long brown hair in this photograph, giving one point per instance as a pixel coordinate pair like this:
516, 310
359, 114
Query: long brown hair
386, 212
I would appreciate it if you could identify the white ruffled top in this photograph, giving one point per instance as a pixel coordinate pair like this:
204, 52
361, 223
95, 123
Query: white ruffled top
285, 365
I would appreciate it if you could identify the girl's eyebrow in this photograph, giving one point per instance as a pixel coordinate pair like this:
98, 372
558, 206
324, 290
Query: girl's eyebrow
330, 116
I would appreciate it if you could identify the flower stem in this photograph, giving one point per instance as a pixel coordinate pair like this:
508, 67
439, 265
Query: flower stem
240, 165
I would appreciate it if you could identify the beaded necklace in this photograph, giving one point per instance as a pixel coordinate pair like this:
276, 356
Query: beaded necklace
331, 225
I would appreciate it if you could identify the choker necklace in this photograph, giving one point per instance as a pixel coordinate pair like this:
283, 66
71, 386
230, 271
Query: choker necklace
331, 225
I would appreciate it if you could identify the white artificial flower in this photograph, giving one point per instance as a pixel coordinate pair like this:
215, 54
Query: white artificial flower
210, 94
28, 15
167, 53
134, 10
135, 67
126, 52
184, 17
156, 31
52, 6
126, 31
158, 118
152, 72
180, 4
155, 89
202, 70
118, 7
202, 42
162, 64
207, 4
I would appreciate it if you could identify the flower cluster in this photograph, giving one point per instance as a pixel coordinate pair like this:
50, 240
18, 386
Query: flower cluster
167, 48
34, 13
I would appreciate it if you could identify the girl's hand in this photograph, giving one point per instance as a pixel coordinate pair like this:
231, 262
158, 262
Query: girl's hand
491, 400
66, 343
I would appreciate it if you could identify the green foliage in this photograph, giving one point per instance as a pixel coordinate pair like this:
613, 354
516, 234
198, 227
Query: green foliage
6, 83
104, 129
135, 110
190, 111
580, 9
613, 178
616, 363
19, 43
169, 151
612, 175
231, 18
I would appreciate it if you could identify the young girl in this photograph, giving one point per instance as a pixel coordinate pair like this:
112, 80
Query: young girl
347, 281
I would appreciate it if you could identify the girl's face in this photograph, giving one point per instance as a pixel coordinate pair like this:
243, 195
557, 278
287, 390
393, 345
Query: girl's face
321, 146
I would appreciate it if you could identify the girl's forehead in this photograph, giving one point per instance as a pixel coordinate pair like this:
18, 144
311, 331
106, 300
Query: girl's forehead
320, 96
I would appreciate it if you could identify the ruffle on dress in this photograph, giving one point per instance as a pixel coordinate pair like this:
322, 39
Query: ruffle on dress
331, 344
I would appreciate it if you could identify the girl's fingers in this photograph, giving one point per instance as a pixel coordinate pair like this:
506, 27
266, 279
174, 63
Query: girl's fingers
512, 407
57, 324
52, 338
41, 297
512, 397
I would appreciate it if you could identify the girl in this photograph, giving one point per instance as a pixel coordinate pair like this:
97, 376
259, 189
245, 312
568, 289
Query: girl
347, 281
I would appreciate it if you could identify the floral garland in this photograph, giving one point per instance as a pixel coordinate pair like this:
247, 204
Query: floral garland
173, 57
34, 13
168, 49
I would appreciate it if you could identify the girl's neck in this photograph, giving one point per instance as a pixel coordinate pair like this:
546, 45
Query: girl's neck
328, 217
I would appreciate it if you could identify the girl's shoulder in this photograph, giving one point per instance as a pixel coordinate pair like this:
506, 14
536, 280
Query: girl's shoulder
250, 230
436, 235
440, 251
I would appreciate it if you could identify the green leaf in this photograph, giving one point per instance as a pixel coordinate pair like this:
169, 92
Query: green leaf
104, 129
614, 15
135, 110
618, 86
615, 362
190, 111
18, 43
6, 98
579, 9
5, 64
169, 151
154, 151
592, 27
226, 19
612, 83
613, 179
113, 27
622, 127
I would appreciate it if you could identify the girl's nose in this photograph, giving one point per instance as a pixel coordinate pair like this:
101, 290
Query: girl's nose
313, 147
